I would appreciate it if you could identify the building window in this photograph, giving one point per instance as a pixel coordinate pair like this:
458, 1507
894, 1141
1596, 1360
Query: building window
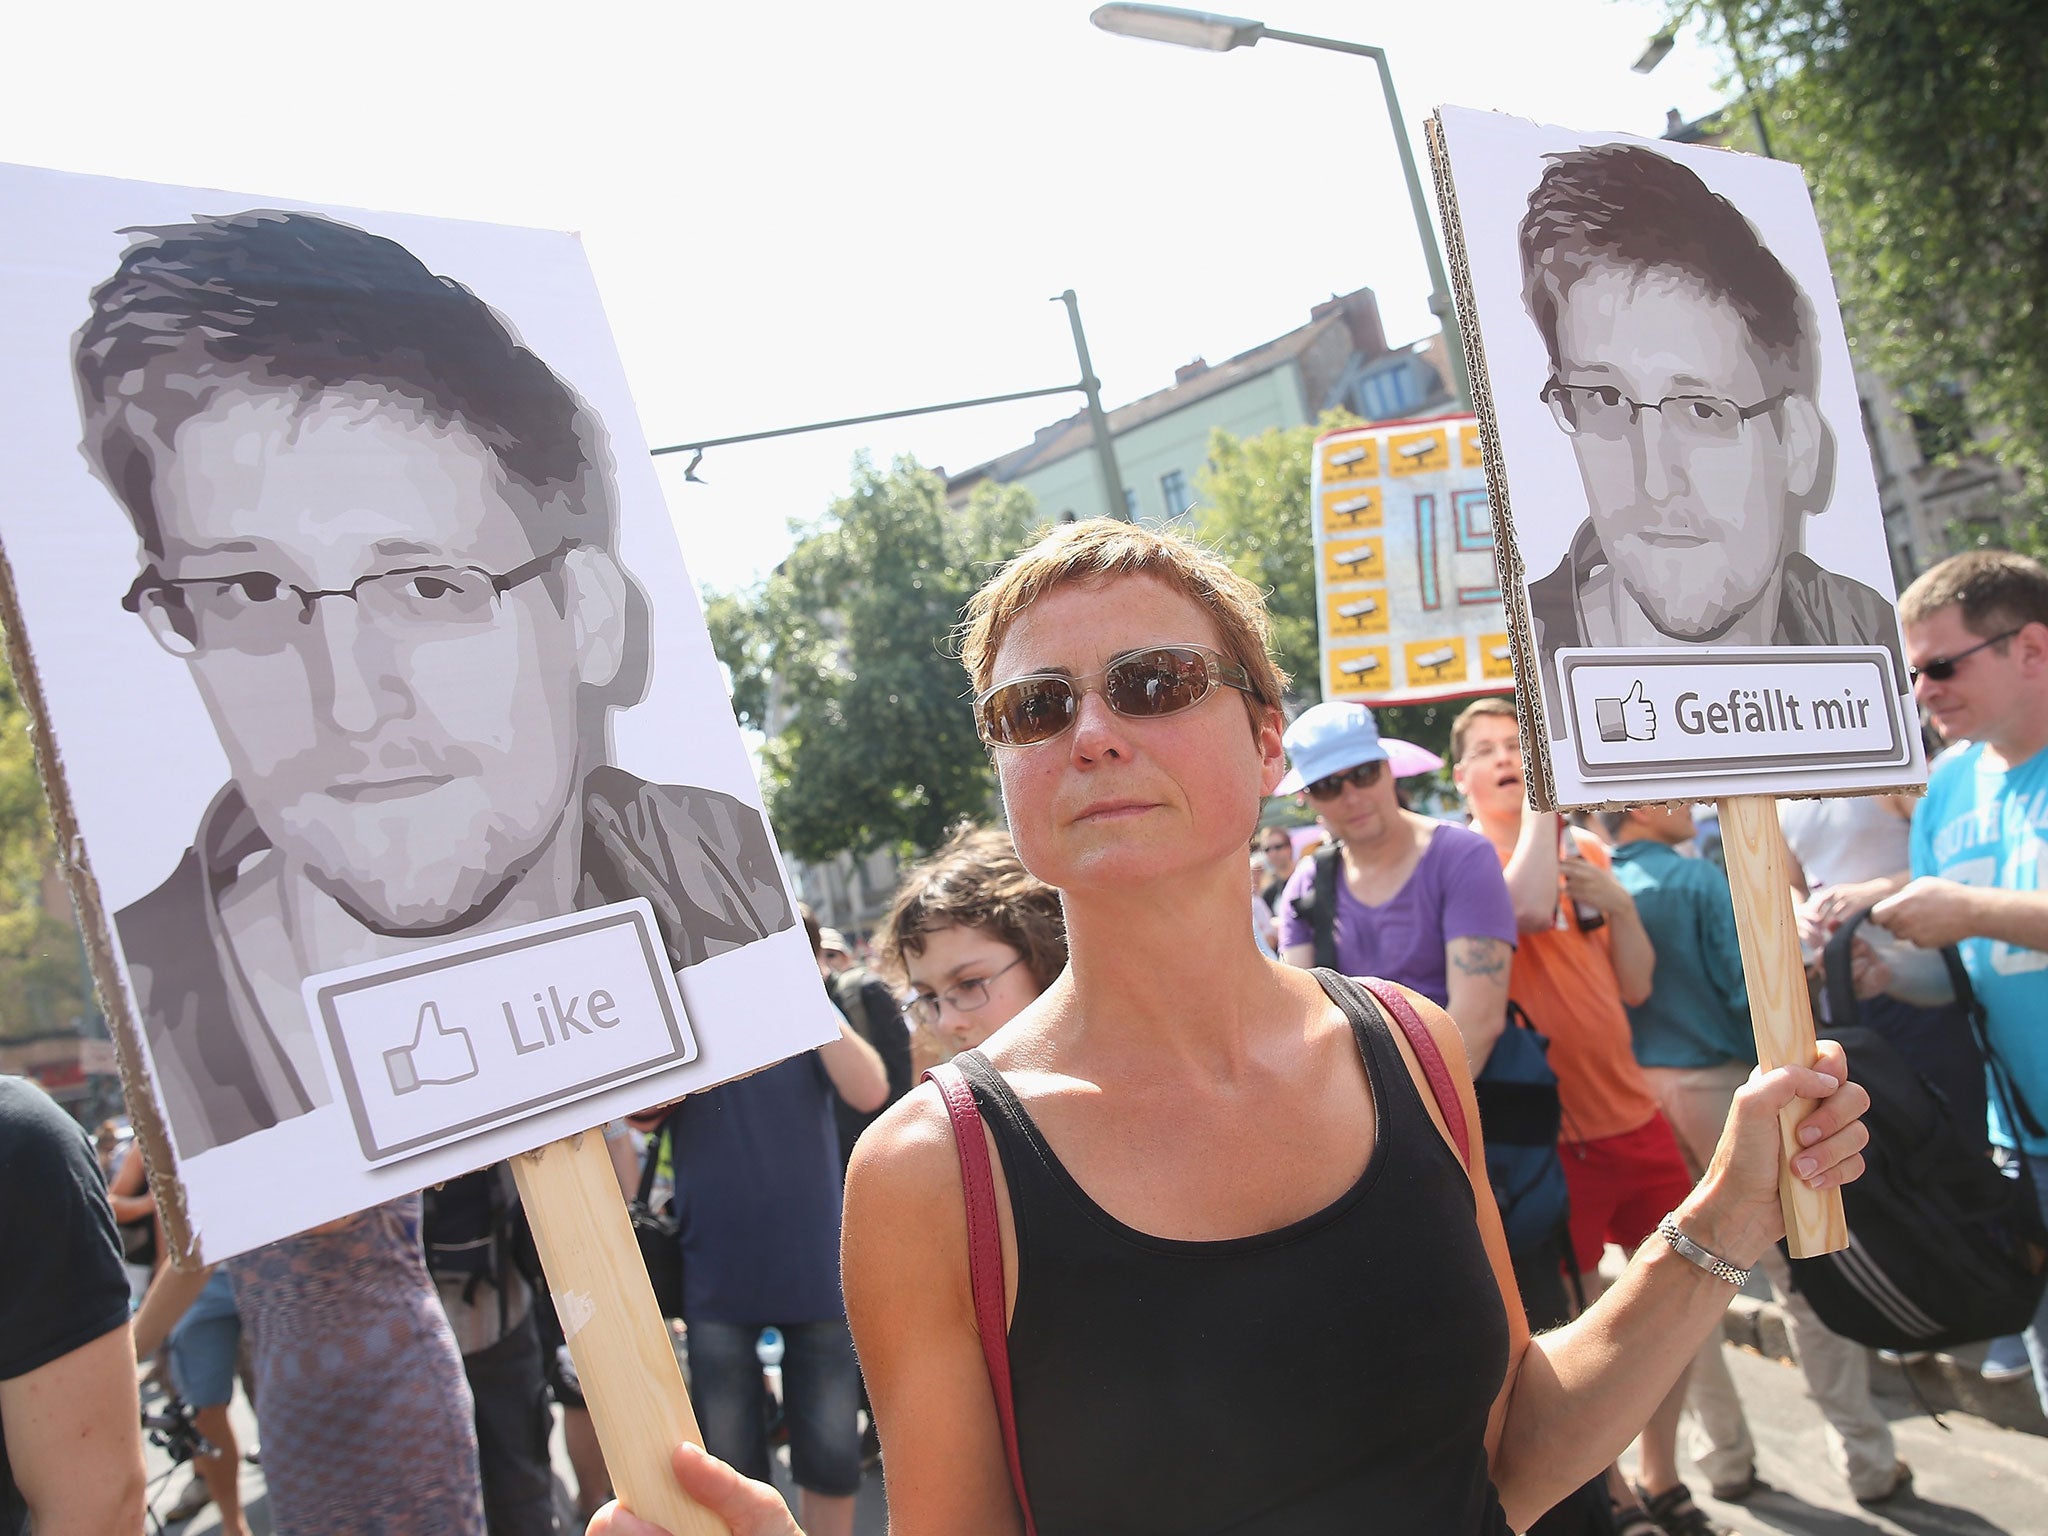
1130, 505
1389, 392
1173, 485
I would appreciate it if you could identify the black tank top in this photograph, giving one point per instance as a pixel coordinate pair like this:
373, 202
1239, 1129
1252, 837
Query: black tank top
1331, 1376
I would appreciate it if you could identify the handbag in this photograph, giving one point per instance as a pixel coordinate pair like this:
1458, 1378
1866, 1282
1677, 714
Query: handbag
657, 1232
1944, 1247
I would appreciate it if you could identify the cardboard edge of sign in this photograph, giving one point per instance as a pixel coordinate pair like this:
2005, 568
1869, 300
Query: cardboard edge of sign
138, 1090
1507, 556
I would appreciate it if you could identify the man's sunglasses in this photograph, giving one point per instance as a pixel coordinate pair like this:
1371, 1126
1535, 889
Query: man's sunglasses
1942, 668
1139, 685
1365, 775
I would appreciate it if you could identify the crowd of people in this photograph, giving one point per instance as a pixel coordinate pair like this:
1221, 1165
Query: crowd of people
1255, 1272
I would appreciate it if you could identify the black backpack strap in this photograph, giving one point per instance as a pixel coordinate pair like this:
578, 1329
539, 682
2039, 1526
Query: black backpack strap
1843, 1007
1843, 1010
1329, 866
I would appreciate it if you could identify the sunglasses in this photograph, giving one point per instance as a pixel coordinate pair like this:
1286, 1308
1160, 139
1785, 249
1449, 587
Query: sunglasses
1145, 684
1365, 775
1942, 668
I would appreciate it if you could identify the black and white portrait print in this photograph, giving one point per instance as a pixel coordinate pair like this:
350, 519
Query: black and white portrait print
355, 639
1687, 523
1685, 372
380, 534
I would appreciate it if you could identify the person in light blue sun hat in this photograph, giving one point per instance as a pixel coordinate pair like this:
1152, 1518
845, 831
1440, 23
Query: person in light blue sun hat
1416, 901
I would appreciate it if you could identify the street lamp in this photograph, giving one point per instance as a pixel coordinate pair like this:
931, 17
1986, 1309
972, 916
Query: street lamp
1220, 34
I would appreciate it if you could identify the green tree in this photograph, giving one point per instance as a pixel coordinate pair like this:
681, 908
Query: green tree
1252, 509
1923, 131
842, 657
42, 979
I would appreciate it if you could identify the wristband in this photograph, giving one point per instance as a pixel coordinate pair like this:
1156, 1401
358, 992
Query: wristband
1693, 1253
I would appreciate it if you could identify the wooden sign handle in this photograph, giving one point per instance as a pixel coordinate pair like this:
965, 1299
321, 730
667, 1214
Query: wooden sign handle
617, 1337
1780, 1008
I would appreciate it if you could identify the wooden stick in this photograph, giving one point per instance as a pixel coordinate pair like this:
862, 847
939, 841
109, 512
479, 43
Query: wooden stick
1780, 1008
618, 1339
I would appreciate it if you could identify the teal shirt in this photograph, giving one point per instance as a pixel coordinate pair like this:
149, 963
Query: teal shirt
1987, 827
1698, 1010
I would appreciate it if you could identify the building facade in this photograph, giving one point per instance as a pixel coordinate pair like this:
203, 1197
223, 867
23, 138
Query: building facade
1339, 359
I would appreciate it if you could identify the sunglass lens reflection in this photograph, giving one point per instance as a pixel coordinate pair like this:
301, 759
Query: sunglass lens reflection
1157, 683
1034, 710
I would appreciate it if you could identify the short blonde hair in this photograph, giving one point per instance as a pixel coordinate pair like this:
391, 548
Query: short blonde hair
1101, 549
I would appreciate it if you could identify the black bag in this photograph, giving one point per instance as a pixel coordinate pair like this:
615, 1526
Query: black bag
1519, 1118
1945, 1248
1519, 1113
464, 1226
657, 1232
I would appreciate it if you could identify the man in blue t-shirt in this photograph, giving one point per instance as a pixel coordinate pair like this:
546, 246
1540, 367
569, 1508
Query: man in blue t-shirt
1977, 641
757, 1200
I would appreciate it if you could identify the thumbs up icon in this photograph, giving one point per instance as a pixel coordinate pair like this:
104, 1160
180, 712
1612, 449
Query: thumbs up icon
1629, 718
438, 1054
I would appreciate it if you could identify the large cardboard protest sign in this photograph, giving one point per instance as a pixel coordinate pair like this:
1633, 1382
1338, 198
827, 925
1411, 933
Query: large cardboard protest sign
1408, 601
1675, 451
1691, 545
402, 800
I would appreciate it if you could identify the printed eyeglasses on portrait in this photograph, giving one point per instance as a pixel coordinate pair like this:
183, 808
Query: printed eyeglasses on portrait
256, 612
1144, 684
1604, 412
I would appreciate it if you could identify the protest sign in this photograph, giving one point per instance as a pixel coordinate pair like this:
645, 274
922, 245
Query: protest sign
403, 805
1674, 449
1692, 550
1407, 600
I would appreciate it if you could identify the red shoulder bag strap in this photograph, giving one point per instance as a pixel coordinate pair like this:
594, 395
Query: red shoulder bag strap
984, 1260
1397, 1007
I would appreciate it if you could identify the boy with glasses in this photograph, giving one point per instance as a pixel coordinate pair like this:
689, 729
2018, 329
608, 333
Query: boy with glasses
1415, 901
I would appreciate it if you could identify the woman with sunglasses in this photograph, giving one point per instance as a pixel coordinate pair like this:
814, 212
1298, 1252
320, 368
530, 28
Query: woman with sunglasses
1249, 1283
1417, 901
977, 935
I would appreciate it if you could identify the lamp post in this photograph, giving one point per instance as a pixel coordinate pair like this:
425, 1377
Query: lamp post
1220, 34
1659, 47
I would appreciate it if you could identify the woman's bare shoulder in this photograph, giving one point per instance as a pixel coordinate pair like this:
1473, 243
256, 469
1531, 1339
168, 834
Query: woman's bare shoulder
908, 1154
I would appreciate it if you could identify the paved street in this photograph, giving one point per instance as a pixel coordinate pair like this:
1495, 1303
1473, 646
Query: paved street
1972, 1479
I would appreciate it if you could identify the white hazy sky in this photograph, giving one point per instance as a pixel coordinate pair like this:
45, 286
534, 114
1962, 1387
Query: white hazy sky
813, 209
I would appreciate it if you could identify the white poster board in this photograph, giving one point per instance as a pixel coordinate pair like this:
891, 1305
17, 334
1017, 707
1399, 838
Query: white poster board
1691, 545
1407, 597
407, 814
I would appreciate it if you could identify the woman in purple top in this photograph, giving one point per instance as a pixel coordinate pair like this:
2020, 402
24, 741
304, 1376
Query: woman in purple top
1421, 902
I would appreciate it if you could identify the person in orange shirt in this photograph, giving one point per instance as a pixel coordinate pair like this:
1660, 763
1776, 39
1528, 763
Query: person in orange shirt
1582, 958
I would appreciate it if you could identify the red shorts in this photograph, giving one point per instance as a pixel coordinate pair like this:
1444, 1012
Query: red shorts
1622, 1186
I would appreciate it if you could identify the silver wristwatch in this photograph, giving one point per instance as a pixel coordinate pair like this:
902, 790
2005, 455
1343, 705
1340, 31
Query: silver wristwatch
1691, 1251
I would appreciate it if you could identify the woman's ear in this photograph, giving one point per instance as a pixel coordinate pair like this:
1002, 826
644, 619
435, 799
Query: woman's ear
1272, 751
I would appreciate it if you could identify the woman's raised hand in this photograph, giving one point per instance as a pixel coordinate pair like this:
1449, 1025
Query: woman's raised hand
747, 1507
1735, 1212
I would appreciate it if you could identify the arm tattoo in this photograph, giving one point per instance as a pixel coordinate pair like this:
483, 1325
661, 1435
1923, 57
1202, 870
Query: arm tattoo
1480, 957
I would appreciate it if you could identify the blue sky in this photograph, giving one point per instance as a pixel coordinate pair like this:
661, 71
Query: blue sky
809, 210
